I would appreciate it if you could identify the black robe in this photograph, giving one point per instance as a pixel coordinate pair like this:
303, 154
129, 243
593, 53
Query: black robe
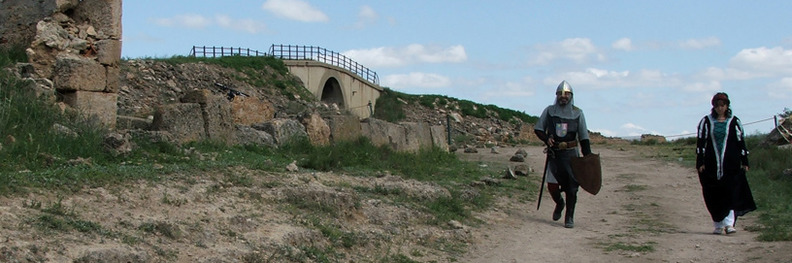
731, 190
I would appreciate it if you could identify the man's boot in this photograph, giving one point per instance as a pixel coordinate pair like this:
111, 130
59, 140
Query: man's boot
559, 201
569, 219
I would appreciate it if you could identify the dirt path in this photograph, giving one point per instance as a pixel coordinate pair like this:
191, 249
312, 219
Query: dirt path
644, 204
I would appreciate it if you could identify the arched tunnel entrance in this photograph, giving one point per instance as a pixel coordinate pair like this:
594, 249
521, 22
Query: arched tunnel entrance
331, 93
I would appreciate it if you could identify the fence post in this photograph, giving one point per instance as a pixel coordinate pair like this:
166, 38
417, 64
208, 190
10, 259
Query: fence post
448, 128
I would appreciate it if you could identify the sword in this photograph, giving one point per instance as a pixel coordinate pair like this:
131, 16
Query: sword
549, 152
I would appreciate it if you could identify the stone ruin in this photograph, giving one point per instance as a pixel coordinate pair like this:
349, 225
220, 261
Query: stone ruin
74, 52
74, 49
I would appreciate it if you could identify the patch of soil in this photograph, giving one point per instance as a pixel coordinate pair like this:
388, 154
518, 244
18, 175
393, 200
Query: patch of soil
647, 211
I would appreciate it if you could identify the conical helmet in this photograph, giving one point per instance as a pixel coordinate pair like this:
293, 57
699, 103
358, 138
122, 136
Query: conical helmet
564, 87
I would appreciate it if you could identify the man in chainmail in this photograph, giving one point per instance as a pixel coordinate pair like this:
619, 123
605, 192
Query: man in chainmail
562, 127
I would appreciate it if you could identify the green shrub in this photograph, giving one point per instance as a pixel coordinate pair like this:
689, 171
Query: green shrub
389, 108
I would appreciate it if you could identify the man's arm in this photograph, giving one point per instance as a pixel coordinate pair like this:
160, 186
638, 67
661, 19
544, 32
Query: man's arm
585, 146
542, 136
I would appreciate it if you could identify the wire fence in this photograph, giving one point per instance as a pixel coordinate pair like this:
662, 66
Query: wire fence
774, 118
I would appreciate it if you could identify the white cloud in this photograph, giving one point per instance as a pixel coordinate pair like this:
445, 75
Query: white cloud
623, 44
634, 130
719, 74
709, 87
632, 126
187, 20
412, 54
781, 89
201, 22
416, 79
512, 90
246, 25
593, 78
295, 10
577, 50
700, 43
366, 16
605, 132
775, 60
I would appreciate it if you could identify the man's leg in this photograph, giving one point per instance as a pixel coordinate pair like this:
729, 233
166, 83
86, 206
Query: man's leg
555, 193
571, 196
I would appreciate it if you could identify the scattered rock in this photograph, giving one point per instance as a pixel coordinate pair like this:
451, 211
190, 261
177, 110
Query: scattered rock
509, 174
522, 169
456, 224
292, 167
517, 158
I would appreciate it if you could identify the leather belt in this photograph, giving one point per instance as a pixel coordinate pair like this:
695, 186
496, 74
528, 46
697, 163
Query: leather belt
566, 145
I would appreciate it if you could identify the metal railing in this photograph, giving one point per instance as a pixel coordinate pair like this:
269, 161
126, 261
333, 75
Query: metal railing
293, 52
214, 52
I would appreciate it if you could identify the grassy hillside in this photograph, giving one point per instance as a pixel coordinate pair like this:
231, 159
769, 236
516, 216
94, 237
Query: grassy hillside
390, 107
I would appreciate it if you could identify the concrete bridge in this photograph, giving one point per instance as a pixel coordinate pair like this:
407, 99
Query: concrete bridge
330, 76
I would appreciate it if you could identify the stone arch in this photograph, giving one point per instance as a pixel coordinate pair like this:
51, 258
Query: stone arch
331, 91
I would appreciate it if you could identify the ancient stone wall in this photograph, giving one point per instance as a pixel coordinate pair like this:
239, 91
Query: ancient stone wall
74, 48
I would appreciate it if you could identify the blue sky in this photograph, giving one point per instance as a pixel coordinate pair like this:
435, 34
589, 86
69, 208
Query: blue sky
636, 67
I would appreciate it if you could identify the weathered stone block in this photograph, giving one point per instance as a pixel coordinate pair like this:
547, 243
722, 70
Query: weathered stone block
132, 123
282, 130
104, 15
439, 136
184, 121
317, 129
75, 73
250, 110
382, 132
344, 128
113, 79
99, 106
246, 135
418, 136
216, 111
219, 121
108, 52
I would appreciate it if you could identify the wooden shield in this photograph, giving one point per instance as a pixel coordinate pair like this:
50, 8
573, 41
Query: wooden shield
588, 172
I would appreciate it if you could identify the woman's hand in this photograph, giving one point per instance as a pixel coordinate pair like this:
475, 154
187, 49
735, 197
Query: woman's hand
745, 168
701, 169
